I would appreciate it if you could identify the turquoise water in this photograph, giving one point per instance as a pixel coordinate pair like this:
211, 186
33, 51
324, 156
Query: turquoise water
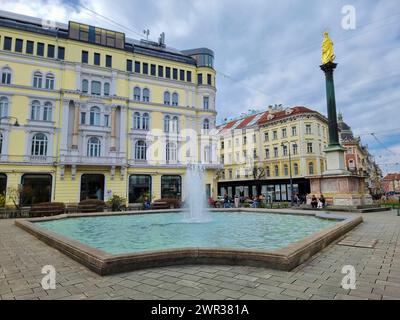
148, 232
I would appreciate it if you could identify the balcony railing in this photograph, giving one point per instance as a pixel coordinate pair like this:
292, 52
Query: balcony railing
102, 160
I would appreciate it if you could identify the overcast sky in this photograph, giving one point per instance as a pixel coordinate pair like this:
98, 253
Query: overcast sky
268, 52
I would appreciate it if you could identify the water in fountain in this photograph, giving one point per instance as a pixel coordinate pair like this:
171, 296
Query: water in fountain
195, 200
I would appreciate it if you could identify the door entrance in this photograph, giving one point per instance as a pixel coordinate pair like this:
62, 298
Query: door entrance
92, 186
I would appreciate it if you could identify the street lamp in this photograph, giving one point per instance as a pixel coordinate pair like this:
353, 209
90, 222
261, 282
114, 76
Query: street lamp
16, 124
290, 173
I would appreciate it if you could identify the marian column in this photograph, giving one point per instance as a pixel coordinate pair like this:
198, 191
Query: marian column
335, 152
339, 186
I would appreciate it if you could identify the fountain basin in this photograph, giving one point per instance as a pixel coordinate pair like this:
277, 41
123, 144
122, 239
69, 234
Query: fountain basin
253, 237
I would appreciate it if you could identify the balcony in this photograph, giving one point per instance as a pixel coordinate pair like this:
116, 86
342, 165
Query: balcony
99, 161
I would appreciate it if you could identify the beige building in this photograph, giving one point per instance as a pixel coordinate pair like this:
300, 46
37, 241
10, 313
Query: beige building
262, 150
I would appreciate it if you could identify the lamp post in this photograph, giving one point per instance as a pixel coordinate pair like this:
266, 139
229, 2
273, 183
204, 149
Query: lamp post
16, 124
290, 173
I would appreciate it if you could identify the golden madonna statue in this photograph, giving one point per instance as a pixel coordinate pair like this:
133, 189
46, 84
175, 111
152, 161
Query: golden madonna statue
327, 49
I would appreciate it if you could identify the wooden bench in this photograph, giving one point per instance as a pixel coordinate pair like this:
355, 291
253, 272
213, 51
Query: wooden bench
46, 209
160, 205
91, 205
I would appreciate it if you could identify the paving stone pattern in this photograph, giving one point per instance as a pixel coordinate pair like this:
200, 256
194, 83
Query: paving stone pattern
378, 272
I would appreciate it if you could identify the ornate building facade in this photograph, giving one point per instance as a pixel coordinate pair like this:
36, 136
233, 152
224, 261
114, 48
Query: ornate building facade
260, 152
358, 159
87, 113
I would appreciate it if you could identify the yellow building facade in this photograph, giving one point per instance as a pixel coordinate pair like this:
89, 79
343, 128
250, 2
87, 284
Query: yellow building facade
88, 113
261, 151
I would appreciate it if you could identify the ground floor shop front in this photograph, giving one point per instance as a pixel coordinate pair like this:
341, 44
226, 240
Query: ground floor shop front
71, 184
274, 190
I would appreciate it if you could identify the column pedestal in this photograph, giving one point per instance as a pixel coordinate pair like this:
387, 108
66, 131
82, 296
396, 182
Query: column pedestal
335, 161
341, 190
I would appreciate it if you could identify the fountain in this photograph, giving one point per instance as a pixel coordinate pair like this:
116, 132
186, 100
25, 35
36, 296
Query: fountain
195, 200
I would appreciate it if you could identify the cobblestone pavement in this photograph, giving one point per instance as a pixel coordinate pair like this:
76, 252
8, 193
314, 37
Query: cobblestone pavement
378, 272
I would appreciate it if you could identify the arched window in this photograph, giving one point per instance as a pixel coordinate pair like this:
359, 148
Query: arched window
85, 86
3, 107
136, 94
93, 147
267, 172
35, 110
206, 125
49, 81
6, 76
94, 116
175, 99
286, 170
146, 95
311, 168
39, 145
296, 169
145, 121
167, 98
175, 124
276, 171
140, 150
136, 120
167, 121
96, 88
47, 111
171, 152
106, 89
37, 79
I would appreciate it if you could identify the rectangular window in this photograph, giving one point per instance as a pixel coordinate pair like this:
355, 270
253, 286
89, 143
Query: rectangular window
199, 78
50, 51
309, 147
83, 117
267, 153
308, 128
209, 79
145, 68
18, 45
96, 59
161, 71
276, 152
175, 74
96, 88
40, 49
108, 61
106, 120
254, 138
284, 133
295, 149
61, 53
294, 131
153, 69
266, 136
137, 66
182, 75
275, 135
168, 72
189, 76
255, 153
206, 102
85, 57
7, 43
129, 65
29, 47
